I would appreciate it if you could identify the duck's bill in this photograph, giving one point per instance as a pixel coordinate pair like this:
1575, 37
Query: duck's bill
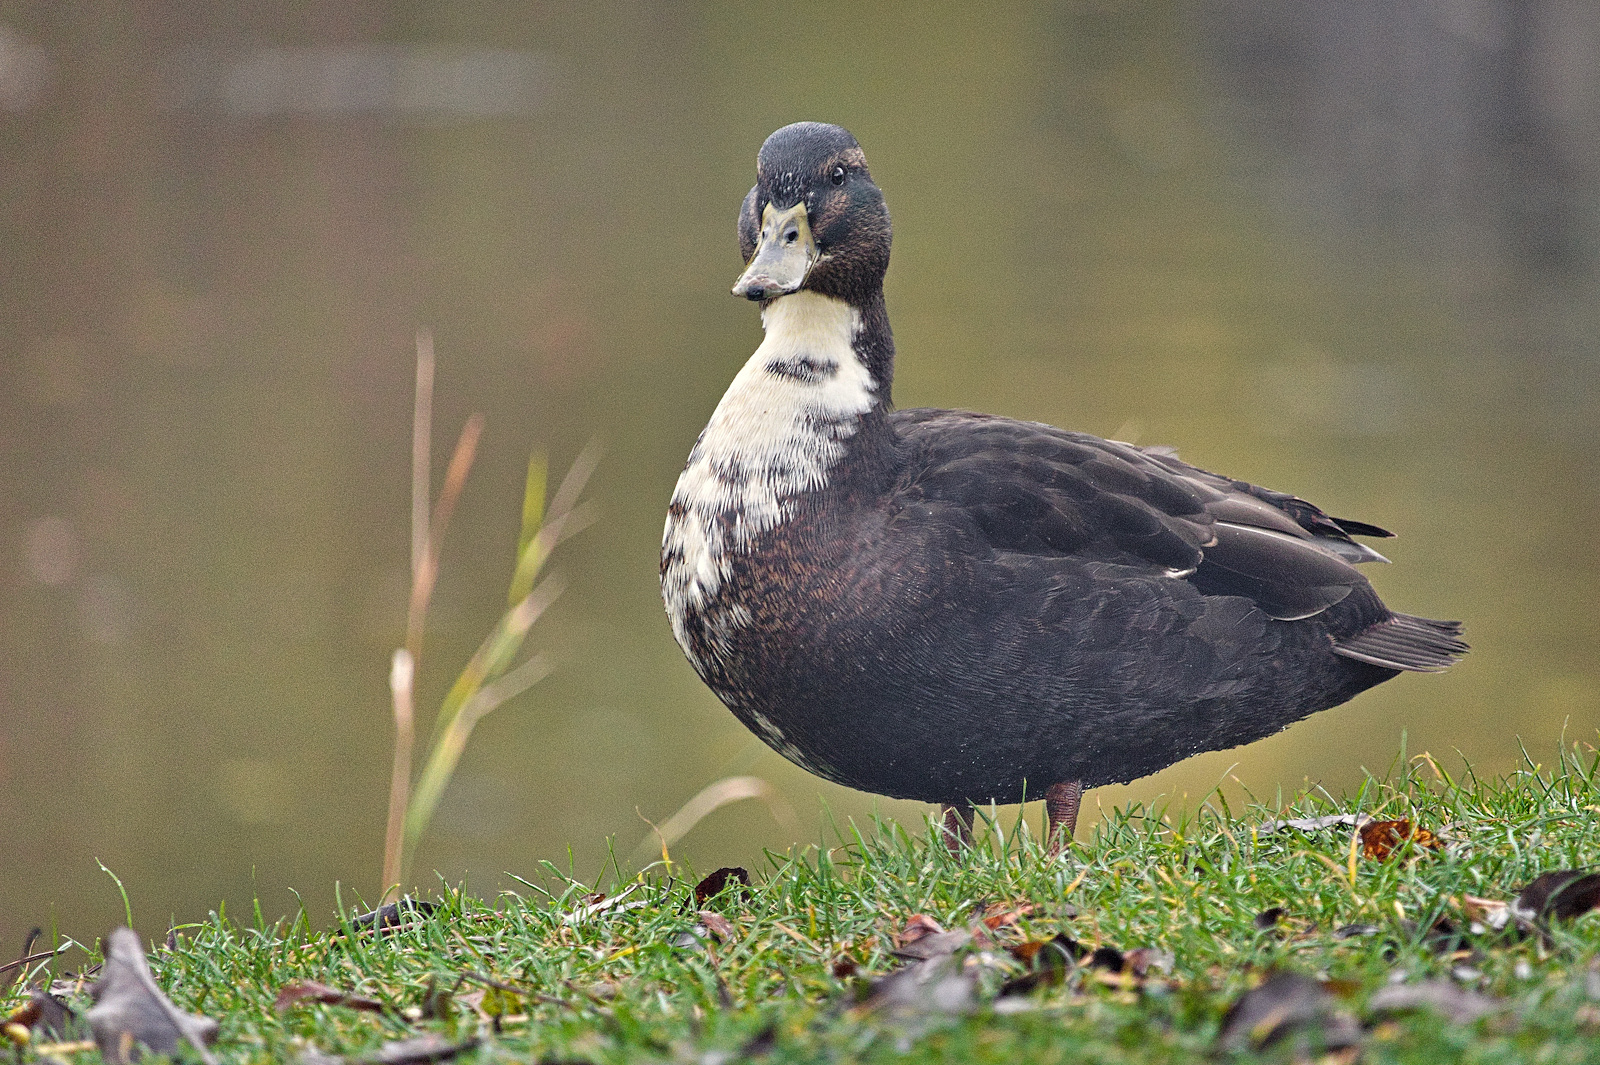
785, 253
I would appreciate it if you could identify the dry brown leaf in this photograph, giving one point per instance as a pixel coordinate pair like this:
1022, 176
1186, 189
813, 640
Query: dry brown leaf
917, 926
718, 882
424, 1048
1285, 1005
1380, 839
1457, 1004
1559, 895
131, 1011
718, 925
42, 1012
1003, 914
298, 991
1486, 914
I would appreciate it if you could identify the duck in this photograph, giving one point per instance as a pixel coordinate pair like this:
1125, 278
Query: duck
961, 608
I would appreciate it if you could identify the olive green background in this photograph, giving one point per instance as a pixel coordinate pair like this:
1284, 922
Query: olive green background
1108, 216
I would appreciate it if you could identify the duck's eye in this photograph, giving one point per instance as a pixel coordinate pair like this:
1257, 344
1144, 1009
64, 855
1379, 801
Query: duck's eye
837, 177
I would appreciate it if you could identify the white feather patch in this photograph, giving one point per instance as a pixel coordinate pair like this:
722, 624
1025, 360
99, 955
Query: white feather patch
779, 429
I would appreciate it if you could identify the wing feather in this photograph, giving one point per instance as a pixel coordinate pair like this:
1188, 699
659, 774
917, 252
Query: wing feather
1037, 490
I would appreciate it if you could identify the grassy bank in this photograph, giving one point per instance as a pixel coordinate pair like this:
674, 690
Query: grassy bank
1401, 942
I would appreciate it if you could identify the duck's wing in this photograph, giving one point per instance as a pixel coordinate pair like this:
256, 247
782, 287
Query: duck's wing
1036, 490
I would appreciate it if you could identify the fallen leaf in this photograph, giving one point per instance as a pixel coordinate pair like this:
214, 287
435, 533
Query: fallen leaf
692, 938
386, 920
1287, 1004
717, 883
129, 1009
1380, 839
1314, 824
718, 925
297, 991
1458, 1005
1140, 960
1003, 914
42, 1012
1351, 931
938, 945
597, 903
1068, 948
1486, 915
923, 938
420, 1050
1049, 962
938, 986
917, 926
1051, 959
500, 1002
1560, 895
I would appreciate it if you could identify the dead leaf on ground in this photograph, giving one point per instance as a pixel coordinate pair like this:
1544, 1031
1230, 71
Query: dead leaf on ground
1561, 895
42, 1013
1287, 1004
1050, 960
1352, 931
718, 882
1457, 1004
1314, 824
917, 926
718, 925
939, 985
593, 905
1268, 918
297, 991
389, 919
1486, 915
1380, 839
923, 938
1141, 960
129, 1009
1004, 914
421, 1049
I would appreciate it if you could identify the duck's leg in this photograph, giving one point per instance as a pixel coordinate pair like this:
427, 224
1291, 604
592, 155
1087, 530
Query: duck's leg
957, 826
1061, 813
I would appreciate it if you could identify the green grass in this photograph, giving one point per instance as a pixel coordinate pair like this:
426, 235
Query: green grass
626, 984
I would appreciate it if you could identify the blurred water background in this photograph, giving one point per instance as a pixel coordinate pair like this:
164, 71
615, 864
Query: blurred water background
1340, 247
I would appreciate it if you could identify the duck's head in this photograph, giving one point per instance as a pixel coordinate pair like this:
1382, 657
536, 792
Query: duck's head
814, 221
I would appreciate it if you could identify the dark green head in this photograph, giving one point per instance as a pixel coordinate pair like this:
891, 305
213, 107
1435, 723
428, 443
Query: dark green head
814, 221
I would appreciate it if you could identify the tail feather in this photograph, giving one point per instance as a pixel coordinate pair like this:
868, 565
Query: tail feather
1420, 645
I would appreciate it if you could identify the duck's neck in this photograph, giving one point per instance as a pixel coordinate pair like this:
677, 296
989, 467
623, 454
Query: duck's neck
807, 414
829, 363
874, 345
826, 337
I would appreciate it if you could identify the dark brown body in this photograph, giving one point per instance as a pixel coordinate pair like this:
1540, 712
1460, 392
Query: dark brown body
903, 654
956, 607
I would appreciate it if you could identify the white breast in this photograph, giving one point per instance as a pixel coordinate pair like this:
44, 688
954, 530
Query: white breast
779, 429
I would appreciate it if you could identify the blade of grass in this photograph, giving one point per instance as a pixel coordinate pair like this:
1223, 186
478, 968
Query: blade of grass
533, 512
480, 689
427, 538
